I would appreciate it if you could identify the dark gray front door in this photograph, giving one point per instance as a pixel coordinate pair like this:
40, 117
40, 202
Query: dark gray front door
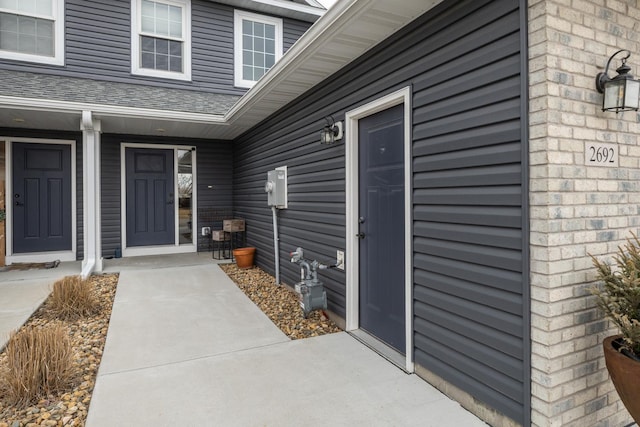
381, 218
150, 198
41, 197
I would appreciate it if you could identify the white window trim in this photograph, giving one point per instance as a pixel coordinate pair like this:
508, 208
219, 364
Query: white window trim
238, 16
58, 34
136, 32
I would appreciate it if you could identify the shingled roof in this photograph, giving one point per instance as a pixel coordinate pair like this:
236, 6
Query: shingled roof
70, 89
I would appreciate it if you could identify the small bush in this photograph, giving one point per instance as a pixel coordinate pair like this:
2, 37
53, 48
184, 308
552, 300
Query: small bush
73, 297
39, 363
619, 298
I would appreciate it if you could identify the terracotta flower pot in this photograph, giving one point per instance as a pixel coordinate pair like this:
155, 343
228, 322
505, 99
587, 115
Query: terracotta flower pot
244, 257
625, 373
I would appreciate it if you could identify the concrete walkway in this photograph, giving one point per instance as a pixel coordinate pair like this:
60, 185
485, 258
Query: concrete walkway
186, 347
22, 292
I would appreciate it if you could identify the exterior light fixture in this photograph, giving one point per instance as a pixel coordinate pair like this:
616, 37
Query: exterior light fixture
331, 132
622, 92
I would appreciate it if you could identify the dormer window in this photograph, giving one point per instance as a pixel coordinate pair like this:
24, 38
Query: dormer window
257, 46
32, 30
161, 38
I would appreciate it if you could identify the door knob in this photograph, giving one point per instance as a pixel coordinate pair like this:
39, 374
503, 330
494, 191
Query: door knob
19, 203
360, 235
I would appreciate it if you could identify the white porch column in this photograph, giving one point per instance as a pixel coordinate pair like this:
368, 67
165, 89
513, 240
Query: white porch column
91, 193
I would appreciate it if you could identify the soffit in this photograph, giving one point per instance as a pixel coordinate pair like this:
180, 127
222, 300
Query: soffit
348, 29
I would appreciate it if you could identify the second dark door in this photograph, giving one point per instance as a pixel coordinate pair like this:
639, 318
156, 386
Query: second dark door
150, 197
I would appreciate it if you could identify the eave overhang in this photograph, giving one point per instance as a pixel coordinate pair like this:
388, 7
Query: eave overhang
345, 32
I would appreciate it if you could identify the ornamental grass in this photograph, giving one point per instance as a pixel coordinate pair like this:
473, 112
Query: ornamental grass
39, 363
73, 297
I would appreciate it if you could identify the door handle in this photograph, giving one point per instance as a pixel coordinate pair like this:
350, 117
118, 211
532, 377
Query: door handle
360, 235
170, 202
19, 203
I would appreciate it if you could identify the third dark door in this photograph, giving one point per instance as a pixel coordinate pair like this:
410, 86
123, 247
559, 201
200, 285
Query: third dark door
381, 226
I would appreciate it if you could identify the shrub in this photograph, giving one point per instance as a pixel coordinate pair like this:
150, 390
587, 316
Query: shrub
39, 363
619, 297
73, 297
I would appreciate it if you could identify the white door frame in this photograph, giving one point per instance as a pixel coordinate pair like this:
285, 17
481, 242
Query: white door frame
37, 256
402, 96
163, 249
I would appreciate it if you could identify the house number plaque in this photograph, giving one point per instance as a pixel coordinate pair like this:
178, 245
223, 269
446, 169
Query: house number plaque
601, 154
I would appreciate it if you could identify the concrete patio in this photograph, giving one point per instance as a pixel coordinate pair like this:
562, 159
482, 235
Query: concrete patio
186, 347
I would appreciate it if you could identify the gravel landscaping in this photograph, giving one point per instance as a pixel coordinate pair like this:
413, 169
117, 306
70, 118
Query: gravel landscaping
88, 337
280, 303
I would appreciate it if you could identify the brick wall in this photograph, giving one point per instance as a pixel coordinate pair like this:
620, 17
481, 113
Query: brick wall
575, 209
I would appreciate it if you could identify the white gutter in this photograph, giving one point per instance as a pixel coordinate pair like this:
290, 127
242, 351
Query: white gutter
109, 110
90, 192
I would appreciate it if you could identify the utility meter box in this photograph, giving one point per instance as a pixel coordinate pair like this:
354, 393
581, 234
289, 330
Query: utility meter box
276, 187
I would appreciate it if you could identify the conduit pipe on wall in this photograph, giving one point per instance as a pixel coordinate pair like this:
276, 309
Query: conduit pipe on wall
276, 243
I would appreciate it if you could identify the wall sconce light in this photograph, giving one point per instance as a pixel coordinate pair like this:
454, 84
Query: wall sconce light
331, 132
621, 93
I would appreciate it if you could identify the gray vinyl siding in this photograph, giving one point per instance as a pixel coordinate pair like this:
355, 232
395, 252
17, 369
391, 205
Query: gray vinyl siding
465, 63
98, 46
110, 193
214, 180
77, 137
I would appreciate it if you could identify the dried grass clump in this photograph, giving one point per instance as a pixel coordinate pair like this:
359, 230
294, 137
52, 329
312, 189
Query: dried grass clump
39, 363
73, 297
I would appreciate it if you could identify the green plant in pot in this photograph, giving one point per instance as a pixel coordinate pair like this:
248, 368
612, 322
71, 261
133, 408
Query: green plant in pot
619, 299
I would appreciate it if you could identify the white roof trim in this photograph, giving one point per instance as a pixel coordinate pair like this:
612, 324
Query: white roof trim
109, 110
296, 53
282, 8
355, 26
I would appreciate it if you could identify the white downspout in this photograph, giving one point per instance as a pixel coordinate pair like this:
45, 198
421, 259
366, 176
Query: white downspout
90, 191
276, 243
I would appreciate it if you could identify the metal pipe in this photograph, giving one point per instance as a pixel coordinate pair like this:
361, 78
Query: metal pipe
276, 243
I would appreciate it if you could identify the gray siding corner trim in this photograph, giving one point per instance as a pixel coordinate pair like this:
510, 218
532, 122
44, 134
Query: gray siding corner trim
470, 213
524, 138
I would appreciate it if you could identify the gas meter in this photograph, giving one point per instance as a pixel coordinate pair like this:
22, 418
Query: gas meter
310, 290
